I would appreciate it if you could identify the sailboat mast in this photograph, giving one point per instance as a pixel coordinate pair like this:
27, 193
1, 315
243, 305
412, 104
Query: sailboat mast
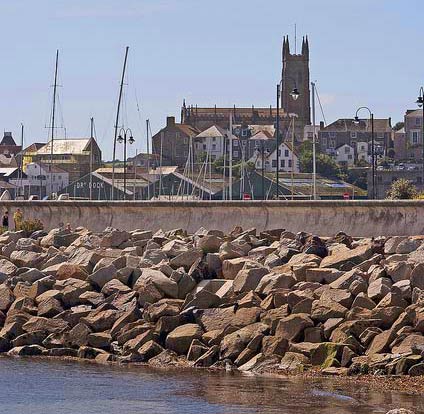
117, 120
53, 121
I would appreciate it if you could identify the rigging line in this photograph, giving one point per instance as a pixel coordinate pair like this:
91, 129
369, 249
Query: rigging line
141, 124
322, 110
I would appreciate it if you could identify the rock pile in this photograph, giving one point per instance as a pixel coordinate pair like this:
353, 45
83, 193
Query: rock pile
256, 302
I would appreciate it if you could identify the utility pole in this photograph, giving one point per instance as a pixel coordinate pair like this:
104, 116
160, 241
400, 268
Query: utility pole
277, 125
314, 160
292, 162
117, 120
263, 169
148, 157
53, 122
91, 156
230, 188
22, 159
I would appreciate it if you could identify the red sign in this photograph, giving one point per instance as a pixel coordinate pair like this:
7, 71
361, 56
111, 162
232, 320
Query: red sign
246, 196
346, 196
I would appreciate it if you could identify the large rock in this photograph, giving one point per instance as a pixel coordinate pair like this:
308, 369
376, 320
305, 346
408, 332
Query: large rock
38, 323
186, 259
292, 327
325, 308
24, 258
6, 298
209, 243
233, 344
347, 258
231, 267
69, 270
7, 269
101, 320
114, 238
159, 280
103, 275
273, 281
180, 338
220, 318
248, 279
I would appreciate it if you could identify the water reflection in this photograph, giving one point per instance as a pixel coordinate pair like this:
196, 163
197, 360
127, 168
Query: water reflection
28, 386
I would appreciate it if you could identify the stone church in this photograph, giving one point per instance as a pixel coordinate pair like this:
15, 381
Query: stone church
295, 75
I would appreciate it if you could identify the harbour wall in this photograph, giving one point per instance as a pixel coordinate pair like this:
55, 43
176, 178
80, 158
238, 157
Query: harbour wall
357, 218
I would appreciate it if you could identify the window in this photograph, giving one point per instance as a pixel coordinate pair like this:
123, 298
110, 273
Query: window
414, 137
204, 146
332, 134
244, 133
353, 134
214, 139
380, 135
286, 153
185, 140
214, 146
349, 157
290, 163
283, 163
310, 135
236, 153
324, 141
235, 143
347, 150
417, 121
177, 135
274, 163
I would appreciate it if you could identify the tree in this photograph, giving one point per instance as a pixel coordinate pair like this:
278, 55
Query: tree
326, 166
402, 189
398, 126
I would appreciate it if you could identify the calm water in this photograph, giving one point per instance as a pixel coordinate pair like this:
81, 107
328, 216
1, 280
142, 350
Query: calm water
44, 387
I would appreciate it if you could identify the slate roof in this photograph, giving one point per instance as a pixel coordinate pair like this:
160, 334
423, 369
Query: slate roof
347, 124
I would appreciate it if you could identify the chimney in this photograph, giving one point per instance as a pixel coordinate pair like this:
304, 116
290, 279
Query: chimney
321, 125
170, 121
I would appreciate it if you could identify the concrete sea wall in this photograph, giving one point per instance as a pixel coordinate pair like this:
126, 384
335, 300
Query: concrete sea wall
358, 218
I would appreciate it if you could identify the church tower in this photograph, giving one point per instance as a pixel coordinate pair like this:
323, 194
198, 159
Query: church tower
295, 74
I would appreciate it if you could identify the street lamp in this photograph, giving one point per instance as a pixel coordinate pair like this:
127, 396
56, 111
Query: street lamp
356, 121
420, 102
122, 138
294, 94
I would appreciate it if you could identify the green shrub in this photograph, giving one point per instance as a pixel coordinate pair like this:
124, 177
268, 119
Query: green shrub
31, 225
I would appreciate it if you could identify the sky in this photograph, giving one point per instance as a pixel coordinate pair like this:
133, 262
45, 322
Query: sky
225, 52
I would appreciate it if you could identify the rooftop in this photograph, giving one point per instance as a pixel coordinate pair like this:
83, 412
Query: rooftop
67, 146
348, 124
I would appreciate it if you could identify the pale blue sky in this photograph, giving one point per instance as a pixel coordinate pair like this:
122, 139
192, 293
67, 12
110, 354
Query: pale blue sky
363, 52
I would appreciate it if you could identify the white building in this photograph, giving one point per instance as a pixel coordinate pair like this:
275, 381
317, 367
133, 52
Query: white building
345, 154
40, 177
362, 151
308, 132
288, 159
211, 141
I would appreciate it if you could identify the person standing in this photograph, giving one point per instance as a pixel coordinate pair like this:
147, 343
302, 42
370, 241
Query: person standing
18, 218
5, 221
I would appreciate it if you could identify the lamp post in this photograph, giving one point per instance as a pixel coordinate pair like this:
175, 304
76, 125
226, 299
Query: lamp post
420, 102
294, 94
122, 138
356, 121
